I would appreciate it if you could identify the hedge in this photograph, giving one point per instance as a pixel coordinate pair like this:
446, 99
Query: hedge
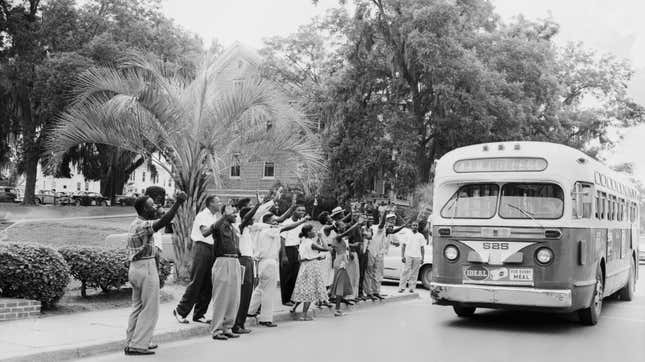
104, 268
33, 271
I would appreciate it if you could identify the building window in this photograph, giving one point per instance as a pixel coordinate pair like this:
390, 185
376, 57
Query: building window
235, 167
78, 186
132, 175
269, 170
64, 187
87, 186
143, 176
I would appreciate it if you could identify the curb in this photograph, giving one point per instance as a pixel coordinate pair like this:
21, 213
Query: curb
189, 332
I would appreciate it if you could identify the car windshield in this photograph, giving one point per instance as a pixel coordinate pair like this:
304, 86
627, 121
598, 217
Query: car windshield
473, 201
531, 201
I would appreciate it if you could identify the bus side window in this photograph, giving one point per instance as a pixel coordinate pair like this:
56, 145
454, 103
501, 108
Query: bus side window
582, 200
598, 205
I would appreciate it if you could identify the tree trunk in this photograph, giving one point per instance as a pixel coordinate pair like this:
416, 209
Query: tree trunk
182, 244
31, 170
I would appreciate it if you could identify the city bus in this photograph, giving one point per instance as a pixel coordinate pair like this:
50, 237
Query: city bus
532, 225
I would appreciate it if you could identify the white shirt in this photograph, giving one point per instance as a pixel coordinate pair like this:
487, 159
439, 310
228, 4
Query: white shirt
267, 242
246, 241
291, 237
306, 251
380, 242
204, 218
413, 243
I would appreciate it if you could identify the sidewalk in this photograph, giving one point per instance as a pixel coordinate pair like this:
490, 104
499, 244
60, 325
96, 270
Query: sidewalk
85, 334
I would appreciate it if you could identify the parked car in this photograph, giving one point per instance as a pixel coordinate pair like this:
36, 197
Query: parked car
45, 197
8, 194
63, 198
89, 199
393, 265
126, 200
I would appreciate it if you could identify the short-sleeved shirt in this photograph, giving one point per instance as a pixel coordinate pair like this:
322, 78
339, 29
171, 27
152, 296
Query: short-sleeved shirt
291, 237
203, 218
305, 249
413, 243
267, 242
140, 240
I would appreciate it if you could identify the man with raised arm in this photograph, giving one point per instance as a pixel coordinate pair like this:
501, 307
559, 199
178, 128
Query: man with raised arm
198, 292
267, 249
143, 274
376, 250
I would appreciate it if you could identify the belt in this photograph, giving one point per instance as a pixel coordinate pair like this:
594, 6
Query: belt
231, 256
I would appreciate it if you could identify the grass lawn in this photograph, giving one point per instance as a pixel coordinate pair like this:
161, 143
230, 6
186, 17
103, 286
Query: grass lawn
68, 232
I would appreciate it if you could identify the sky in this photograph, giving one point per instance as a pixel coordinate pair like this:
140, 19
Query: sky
607, 26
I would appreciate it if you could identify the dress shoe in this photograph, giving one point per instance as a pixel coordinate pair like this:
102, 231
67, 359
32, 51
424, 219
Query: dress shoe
241, 330
379, 297
289, 304
231, 335
202, 320
220, 337
179, 318
137, 352
153, 346
268, 324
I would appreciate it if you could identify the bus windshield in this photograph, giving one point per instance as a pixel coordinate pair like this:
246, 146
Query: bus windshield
531, 201
473, 201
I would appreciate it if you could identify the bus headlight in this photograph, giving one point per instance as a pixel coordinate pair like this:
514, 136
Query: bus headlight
544, 255
451, 252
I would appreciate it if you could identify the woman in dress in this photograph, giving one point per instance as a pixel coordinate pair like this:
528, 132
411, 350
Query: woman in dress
310, 286
342, 285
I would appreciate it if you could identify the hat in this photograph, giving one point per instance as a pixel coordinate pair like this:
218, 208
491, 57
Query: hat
390, 215
337, 210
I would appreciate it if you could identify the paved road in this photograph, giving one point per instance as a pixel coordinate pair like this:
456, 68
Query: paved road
417, 330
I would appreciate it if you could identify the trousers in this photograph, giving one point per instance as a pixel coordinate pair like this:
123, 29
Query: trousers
410, 273
289, 273
353, 270
264, 293
362, 265
144, 278
373, 274
246, 291
198, 292
226, 293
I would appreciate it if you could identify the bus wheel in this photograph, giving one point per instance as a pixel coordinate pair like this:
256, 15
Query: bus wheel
589, 316
627, 293
463, 311
426, 276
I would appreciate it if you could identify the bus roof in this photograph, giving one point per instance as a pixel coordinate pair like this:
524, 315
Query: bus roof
562, 163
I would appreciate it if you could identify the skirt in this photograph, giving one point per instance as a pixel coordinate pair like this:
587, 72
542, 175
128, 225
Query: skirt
310, 286
327, 268
341, 287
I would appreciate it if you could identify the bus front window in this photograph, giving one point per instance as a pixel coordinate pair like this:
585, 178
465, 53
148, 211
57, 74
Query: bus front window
531, 200
473, 201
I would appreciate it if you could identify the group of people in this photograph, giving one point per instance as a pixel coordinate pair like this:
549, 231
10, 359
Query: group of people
239, 251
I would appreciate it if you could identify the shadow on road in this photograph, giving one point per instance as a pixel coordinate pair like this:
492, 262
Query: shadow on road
525, 321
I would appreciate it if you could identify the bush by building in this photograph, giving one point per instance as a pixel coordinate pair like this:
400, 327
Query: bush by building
33, 271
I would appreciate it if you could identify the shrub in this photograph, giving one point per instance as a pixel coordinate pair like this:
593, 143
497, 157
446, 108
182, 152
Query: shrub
33, 271
104, 268
97, 267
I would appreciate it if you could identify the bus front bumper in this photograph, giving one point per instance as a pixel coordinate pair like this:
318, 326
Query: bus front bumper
450, 294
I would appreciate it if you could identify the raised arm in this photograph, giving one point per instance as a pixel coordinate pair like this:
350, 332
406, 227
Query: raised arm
381, 223
249, 215
168, 216
295, 224
351, 228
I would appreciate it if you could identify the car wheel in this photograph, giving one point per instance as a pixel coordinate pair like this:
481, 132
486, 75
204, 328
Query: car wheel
627, 293
590, 315
78, 202
37, 201
104, 203
425, 276
462, 311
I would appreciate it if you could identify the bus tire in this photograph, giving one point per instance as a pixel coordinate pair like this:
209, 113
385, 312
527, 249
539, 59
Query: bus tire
462, 311
589, 316
628, 291
426, 276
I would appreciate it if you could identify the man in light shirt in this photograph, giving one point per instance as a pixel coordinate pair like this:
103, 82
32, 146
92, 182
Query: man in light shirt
412, 254
376, 250
290, 263
198, 292
268, 246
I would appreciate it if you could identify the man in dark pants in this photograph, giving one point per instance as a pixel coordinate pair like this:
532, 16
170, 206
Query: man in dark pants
198, 292
290, 264
366, 236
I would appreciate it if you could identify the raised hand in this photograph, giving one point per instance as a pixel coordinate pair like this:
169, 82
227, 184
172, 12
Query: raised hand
294, 198
181, 197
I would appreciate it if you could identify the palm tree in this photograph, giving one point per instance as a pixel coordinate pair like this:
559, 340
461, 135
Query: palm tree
194, 123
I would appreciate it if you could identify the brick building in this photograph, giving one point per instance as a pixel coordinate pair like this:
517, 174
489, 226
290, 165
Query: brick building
245, 176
